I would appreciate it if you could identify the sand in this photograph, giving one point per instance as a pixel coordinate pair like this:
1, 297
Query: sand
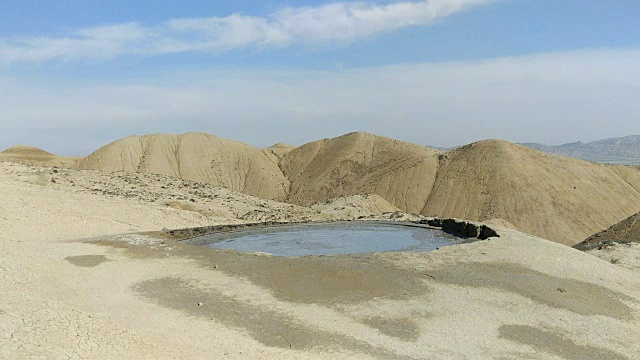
624, 232
561, 199
73, 286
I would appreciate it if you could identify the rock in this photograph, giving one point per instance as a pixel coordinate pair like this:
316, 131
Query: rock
200, 304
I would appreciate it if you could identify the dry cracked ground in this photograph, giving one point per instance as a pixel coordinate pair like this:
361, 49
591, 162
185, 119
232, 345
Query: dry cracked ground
74, 287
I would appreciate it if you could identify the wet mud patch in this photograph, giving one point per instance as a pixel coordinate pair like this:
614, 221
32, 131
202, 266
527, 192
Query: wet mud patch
266, 326
403, 329
87, 261
322, 280
580, 297
317, 280
552, 343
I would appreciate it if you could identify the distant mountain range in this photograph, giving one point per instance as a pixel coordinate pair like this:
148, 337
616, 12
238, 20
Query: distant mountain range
622, 150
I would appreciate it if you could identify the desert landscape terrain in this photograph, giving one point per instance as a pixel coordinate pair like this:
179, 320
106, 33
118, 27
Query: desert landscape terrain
89, 268
319, 179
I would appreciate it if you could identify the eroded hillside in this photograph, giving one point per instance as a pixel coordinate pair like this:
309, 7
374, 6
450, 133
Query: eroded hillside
557, 198
197, 157
561, 199
361, 163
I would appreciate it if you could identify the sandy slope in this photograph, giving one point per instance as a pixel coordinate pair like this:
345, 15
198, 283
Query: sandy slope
626, 231
355, 206
561, 199
361, 163
557, 198
30, 155
619, 244
197, 157
280, 149
513, 297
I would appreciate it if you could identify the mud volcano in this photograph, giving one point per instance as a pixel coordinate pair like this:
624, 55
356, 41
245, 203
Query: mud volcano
331, 239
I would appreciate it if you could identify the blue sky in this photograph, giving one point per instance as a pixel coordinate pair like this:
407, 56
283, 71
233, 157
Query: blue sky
438, 72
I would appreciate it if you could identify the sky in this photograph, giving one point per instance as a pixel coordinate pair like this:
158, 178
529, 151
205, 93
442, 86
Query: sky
76, 75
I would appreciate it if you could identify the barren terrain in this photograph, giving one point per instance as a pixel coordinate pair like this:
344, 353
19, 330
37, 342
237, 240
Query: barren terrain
80, 279
557, 198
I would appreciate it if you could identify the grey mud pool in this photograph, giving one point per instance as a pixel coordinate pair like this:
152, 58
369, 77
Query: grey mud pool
331, 239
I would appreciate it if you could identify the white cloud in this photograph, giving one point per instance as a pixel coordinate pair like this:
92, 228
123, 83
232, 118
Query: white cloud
334, 22
552, 98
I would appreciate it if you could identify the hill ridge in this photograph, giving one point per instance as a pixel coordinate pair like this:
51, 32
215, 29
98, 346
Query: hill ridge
562, 199
26, 149
616, 150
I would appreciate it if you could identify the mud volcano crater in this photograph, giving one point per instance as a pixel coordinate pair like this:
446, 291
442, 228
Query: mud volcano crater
338, 238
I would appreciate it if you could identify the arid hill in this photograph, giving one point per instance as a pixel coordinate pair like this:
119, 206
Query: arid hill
280, 149
197, 157
30, 155
361, 163
626, 231
553, 197
86, 272
24, 150
561, 199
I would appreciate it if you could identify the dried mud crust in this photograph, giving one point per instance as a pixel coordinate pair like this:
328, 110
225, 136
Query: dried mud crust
337, 284
317, 284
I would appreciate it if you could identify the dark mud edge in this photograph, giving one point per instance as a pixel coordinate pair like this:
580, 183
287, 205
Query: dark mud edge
457, 227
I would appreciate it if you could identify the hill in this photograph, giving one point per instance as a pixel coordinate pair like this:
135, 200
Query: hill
626, 231
552, 197
122, 290
197, 157
30, 155
558, 198
619, 244
361, 163
280, 149
621, 150
24, 150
